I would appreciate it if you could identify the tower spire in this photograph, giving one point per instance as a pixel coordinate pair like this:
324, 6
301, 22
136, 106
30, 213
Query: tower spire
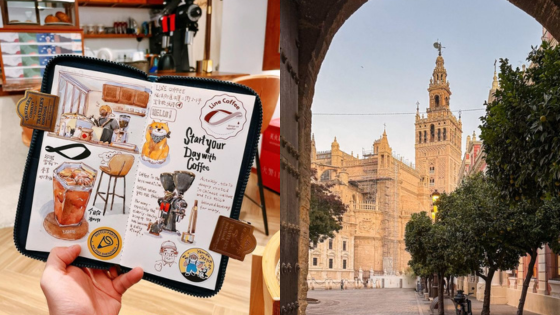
495, 84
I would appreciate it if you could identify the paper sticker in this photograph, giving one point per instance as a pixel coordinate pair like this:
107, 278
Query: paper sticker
233, 238
223, 116
196, 265
38, 110
105, 243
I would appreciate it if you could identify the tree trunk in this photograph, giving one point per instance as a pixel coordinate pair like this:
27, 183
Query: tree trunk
429, 287
441, 310
452, 287
527, 281
487, 288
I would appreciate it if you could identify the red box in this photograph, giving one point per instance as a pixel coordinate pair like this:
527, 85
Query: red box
270, 156
271, 137
270, 168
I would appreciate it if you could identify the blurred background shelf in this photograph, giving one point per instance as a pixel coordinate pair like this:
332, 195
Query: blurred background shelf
116, 36
122, 3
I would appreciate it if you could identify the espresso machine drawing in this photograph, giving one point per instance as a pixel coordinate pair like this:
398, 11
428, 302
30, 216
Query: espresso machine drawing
172, 205
121, 134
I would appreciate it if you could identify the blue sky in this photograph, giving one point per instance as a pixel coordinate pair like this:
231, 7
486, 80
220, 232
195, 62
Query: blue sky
382, 58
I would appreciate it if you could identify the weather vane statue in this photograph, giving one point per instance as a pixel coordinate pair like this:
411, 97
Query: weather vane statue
437, 45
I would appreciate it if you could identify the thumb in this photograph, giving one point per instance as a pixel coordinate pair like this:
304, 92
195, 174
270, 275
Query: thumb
61, 257
125, 281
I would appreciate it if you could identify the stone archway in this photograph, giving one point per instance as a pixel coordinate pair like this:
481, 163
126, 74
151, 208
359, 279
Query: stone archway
308, 28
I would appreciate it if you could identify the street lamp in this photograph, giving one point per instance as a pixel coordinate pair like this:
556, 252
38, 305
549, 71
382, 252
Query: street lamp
435, 197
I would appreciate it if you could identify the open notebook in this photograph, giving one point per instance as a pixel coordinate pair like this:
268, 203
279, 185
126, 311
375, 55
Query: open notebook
138, 170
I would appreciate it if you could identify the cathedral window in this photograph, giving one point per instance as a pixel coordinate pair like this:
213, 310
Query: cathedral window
439, 134
432, 132
344, 245
436, 99
330, 243
344, 264
330, 263
444, 134
326, 175
314, 261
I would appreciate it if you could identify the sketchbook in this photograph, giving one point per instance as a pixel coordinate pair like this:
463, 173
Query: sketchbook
138, 170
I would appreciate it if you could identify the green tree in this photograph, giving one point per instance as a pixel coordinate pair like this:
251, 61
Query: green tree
520, 134
480, 225
520, 129
325, 212
536, 226
429, 250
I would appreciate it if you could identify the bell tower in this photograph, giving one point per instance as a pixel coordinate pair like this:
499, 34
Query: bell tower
439, 87
438, 134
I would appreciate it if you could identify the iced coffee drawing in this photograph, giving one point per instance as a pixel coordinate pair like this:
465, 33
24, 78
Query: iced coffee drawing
72, 185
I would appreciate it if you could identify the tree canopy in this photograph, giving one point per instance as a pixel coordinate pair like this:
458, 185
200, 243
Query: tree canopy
325, 212
520, 129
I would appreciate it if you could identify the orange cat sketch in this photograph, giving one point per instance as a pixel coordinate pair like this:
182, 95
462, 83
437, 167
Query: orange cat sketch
155, 149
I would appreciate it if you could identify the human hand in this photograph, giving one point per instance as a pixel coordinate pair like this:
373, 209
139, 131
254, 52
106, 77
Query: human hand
72, 290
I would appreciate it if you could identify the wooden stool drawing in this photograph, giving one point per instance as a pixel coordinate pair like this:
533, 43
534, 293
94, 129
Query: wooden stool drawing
118, 167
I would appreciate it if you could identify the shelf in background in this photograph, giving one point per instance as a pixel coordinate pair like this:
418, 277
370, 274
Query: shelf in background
115, 36
122, 3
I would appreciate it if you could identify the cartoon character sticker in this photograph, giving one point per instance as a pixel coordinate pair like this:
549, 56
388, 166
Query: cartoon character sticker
155, 149
168, 252
196, 265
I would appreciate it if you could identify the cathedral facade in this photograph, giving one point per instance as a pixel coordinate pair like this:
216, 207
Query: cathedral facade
382, 191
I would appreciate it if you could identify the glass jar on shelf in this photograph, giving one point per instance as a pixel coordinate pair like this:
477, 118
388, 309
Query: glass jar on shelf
35, 13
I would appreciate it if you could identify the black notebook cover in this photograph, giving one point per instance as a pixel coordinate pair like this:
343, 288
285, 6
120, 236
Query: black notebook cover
32, 171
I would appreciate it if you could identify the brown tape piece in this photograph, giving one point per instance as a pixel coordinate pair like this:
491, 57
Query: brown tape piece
38, 110
233, 238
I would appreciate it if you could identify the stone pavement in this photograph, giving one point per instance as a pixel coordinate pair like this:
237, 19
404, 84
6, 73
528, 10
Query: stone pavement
361, 302
386, 302
476, 308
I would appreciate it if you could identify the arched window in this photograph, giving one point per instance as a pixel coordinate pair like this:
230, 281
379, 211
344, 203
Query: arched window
439, 134
432, 132
326, 175
419, 136
444, 134
425, 136
436, 99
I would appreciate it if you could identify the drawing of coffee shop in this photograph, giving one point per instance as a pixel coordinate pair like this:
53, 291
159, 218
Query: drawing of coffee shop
100, 112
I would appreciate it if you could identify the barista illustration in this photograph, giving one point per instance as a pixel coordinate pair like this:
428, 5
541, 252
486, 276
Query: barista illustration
168, 252
196, 265
107, 122
172, 206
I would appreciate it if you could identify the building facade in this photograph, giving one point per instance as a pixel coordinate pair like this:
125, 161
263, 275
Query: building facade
382, 192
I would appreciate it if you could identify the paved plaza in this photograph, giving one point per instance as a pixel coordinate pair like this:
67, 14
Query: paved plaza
361, 302
386, 302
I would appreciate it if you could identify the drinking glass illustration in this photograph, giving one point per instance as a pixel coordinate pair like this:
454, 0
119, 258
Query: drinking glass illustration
72, 186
